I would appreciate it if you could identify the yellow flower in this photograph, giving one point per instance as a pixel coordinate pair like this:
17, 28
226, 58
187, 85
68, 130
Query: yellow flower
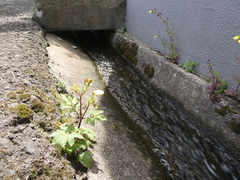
238, 41
151, 11
236, 37
98, 92
87, 81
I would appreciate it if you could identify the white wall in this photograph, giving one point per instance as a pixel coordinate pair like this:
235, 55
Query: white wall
203, 30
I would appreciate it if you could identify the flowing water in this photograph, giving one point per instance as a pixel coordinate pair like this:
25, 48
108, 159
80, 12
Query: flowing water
179, 146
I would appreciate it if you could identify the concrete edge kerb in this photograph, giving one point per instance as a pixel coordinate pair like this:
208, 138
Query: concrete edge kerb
188, 89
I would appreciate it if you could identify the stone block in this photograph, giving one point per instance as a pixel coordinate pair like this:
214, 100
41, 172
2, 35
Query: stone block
75, 15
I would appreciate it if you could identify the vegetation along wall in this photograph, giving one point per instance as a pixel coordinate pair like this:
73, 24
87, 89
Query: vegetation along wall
203, 30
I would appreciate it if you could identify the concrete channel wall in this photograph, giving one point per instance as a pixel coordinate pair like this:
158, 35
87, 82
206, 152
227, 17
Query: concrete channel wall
203, 30
76, 15
212, 118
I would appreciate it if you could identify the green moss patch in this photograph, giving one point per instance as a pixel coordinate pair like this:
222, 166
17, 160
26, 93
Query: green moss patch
149, 70
12, 95
225, 110
128, 49
23, 112
37, 106
24, 97
235, 126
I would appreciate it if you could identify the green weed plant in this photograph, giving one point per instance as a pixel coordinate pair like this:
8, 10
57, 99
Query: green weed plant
217, 84
170, 44
231, 92
75, 139
189, 66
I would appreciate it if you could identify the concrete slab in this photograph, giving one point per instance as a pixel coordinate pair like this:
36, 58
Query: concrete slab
75, 15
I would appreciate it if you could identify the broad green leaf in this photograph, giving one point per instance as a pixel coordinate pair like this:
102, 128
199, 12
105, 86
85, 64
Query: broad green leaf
77, 135
85, 159
59, 147
74, 100
82, 144
89, 133
65, 135
101, 118
69, 128
94, 113
85, 129
67, 98
56, 133
69, 150
71, 138
59, 137
90, 120
96, 116
76, 146
70, 102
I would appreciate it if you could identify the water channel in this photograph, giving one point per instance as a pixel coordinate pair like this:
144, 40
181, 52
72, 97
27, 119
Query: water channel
181, 148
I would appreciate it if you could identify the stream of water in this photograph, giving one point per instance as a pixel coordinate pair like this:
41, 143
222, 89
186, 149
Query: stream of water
178, 144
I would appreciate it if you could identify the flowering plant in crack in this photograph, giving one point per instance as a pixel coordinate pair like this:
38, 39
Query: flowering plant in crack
170, 44
217, 84
75, 140
231, 92
234, 93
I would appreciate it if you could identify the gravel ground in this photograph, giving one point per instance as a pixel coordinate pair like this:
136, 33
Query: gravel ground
25, 150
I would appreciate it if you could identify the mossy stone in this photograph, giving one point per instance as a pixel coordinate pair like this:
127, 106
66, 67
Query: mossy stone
149, 70
23, 112
235, 126
24, 97
12, 95
42, 124
225, 110
37, 106
129, 50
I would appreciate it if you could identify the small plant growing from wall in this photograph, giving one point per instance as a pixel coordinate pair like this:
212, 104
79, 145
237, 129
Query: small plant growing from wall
231, 92
189, 66
167, 44
235, 93
74, 139
217, 84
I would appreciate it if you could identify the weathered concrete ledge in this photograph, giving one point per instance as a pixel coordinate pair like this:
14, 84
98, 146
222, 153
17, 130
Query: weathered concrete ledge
75, 15
188, 89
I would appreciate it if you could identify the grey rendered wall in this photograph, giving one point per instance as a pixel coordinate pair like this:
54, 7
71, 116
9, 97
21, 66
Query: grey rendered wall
203, 30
